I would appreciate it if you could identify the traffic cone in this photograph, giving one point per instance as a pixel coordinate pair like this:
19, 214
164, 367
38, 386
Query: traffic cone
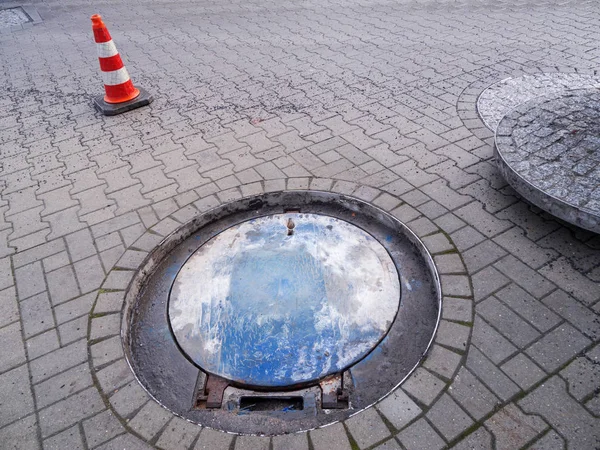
121, 94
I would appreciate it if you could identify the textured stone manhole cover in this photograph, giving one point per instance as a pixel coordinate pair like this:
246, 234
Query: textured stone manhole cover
13, 17
284, 300
502, 97
282, 313
548, 149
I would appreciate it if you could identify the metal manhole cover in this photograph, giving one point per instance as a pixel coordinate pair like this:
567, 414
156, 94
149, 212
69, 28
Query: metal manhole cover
281, 313
284, 299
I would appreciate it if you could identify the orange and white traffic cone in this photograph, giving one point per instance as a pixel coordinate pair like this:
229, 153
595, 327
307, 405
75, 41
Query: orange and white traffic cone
121, 94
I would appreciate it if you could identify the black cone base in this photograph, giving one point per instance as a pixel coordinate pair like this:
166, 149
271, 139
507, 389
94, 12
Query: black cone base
112, 109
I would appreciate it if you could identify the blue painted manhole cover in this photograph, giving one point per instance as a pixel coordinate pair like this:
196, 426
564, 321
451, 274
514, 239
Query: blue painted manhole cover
284, 299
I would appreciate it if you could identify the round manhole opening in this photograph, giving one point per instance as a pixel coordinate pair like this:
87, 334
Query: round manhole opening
281, 313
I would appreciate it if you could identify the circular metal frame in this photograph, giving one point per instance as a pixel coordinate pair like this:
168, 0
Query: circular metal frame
172, 379
539, 196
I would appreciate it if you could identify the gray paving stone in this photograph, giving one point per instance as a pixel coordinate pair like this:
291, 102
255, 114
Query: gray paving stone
333, 437
582, 377
42, 343
483, 221
62, 385
89, 273
55, 261
486, 282
449, 418
114, 376
105, 326
6, 277
565, 415
439, 243
472, 395
399, 409
557, 347
452, 335
58, 361
10, 338
30, 280
442, 361
513, 429
9, 309
70, 411
482, 255
179, 434
297, 441
420, 436
576, 313
525, 277
75, 308
15, 397
62, 285
423, 386
70, 438
125, 441
449, 263
507, 322
106, 351
466, 238
550, 441
20, 435
100, 428
523, 371
523, 248
491, 375
480, 439
441, 193
392, 444
528, 307
128, 399
252, 443
449, 223
80, 245
150, 420
210, 439
367, 428
36, 313
571, 281
457, 309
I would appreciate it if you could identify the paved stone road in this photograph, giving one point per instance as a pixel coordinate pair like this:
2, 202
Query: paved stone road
372, 98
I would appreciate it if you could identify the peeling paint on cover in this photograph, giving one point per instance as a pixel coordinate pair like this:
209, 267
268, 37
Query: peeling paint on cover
264, 308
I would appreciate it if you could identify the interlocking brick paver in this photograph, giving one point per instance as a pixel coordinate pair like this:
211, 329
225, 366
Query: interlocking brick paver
551, 401
16, 398
210, 439
10, 338
513, 429
367, 428
557, 347
420, 436
333, 437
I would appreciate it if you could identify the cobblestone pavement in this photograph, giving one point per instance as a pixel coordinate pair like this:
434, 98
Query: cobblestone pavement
370, 98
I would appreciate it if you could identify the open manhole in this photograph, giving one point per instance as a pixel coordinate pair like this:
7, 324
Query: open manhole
281, 313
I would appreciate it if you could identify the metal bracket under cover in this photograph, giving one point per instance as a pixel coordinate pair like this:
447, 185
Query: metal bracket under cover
209, 391
333, 394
